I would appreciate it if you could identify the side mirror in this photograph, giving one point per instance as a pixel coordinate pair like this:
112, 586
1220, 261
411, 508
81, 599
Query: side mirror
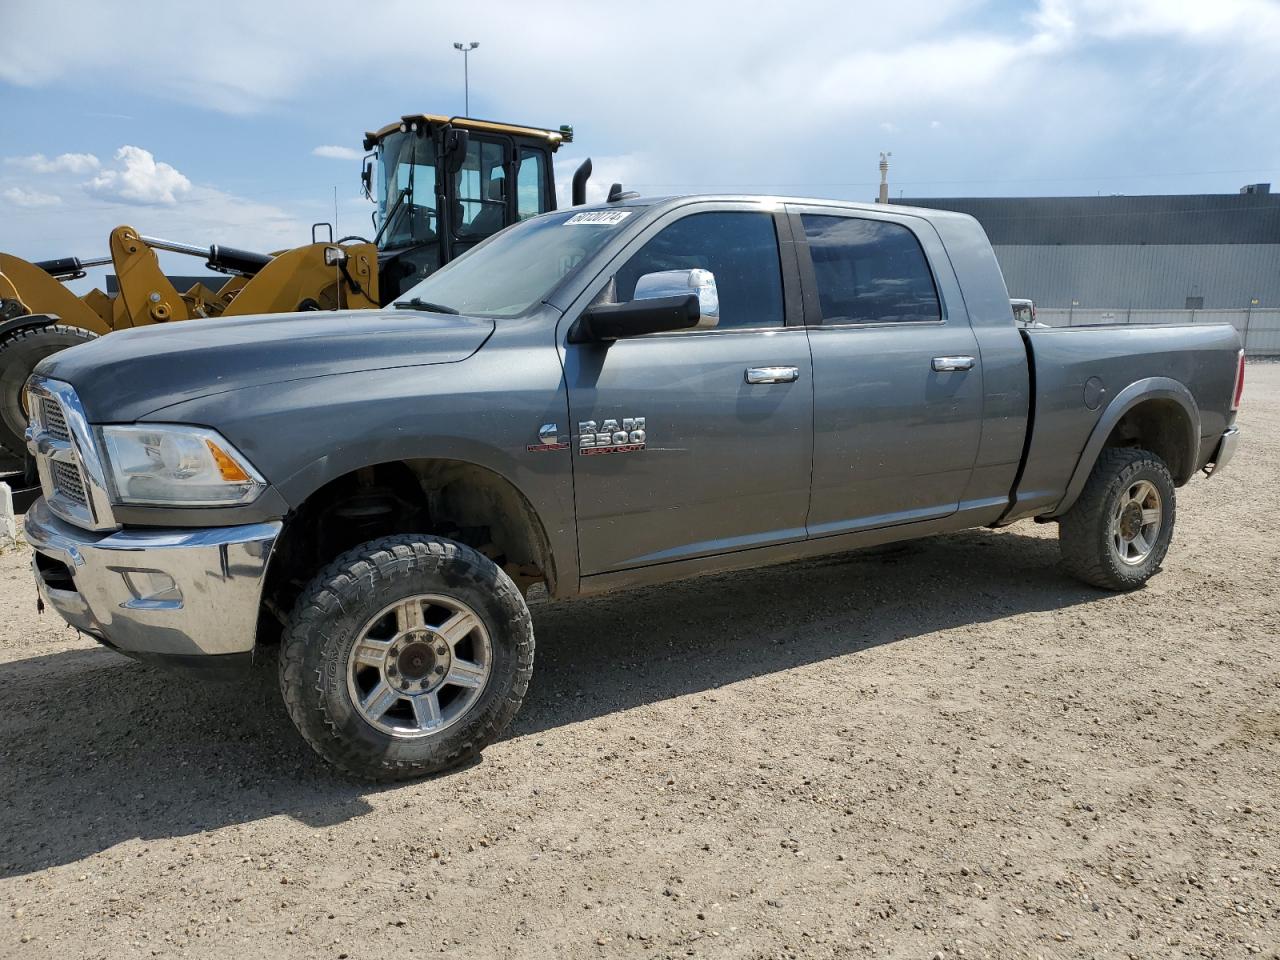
455, 149
664, 301
366, 178
675, 283
607, 322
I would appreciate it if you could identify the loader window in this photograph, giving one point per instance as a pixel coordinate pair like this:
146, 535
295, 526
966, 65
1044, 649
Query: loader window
481, 190
531, 184
407, 195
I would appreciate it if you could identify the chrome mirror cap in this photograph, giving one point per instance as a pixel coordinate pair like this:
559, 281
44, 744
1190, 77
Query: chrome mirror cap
681, 283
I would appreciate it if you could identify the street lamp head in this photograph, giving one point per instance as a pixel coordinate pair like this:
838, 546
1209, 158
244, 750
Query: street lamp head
466, 47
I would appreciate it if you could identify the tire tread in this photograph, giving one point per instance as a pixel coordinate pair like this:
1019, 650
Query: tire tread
1085, 554
322, 599
9, 442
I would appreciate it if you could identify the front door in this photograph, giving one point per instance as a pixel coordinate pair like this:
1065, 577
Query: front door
897, 375
679, 450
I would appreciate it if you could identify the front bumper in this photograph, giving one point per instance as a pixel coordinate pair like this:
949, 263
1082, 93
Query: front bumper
169, 594
1226, 450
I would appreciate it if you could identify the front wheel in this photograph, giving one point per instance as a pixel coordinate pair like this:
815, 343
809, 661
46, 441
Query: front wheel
1117, 534
406, 656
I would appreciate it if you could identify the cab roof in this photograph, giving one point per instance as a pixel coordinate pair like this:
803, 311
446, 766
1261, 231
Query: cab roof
552, 138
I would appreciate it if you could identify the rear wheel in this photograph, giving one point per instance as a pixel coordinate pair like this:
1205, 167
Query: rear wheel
1117, 534
406, 656
20, 351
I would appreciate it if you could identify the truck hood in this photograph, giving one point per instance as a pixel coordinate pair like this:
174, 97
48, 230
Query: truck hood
128, 374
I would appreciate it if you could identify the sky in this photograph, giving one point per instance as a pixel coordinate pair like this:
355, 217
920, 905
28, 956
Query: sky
241, 123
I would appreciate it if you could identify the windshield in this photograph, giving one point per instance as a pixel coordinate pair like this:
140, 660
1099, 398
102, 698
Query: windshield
520, 266
406, 191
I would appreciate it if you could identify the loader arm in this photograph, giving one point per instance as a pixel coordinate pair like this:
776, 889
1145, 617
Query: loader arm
308, 278
38, 292
146, 295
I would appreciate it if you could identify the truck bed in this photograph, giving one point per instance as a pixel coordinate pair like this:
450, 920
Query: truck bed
1066, 363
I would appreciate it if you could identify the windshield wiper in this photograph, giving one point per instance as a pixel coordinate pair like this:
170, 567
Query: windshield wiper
417, 303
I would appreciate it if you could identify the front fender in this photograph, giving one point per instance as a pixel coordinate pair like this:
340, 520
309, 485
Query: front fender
1140, 391
485, 412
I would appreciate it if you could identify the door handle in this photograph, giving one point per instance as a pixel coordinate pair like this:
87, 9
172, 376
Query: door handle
945, 364
772, 374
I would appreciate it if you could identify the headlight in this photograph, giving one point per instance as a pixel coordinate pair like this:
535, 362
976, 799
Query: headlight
173, 465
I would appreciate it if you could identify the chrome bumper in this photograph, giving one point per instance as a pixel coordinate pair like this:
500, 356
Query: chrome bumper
1226, 450
154, 593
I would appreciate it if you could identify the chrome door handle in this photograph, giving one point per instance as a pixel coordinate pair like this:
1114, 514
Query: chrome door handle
772, 374
944, 364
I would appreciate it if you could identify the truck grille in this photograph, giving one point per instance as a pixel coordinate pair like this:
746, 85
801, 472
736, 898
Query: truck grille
71, 472
67, 483
51, 418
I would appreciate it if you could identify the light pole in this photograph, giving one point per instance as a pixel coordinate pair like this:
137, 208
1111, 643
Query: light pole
466, 49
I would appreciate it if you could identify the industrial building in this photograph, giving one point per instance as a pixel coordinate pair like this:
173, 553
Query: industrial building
1130, 253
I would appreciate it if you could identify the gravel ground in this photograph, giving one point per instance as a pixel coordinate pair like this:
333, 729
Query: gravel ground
941, 750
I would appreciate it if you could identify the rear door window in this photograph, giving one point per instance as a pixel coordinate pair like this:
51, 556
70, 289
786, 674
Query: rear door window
869, 271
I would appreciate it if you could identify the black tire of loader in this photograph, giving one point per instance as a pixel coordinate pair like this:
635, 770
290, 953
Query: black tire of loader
20, 351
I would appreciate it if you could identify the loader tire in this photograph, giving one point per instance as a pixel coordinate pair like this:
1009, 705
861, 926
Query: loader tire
1117, 533
405, 656
20, 351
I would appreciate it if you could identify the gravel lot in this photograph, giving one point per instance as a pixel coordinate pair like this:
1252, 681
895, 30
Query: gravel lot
945, 749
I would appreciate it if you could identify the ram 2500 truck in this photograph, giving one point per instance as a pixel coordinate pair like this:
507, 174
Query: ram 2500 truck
591, 400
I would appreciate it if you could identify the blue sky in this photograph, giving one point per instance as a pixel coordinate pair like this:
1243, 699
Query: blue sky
202, 124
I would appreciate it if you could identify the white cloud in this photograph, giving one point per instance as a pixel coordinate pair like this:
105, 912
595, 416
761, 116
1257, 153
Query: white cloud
784, 98
205, 215
139, 178
1237, 22
22, 197
331, 152
151, 196
63, 163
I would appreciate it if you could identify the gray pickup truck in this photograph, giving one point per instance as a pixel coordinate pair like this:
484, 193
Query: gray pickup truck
591, 400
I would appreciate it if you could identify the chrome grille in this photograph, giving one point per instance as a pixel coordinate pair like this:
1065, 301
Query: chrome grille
67, 482
71, 471
51, 418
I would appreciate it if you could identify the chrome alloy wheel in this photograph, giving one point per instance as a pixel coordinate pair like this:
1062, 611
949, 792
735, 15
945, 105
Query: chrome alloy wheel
419, 665
1135, 522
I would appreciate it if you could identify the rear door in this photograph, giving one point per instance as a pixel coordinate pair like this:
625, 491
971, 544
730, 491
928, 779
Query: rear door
717, 453
897, 375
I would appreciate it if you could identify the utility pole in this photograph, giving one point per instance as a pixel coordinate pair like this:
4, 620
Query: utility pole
466, 49
884, 178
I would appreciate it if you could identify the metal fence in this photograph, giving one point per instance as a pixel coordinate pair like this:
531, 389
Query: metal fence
1259, 328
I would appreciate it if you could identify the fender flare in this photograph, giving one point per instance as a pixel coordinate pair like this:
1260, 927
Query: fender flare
1140, 391
561, 565
26, 322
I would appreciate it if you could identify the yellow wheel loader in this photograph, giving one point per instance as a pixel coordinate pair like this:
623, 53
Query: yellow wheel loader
441, 185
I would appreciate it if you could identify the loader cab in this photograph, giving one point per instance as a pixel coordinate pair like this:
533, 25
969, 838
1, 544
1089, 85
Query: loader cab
444, 184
